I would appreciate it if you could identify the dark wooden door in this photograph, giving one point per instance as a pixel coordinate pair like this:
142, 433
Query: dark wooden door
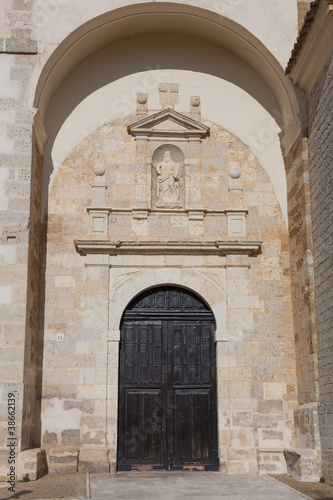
167, 383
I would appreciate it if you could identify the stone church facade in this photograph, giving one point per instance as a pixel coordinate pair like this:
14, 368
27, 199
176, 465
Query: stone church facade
165, 237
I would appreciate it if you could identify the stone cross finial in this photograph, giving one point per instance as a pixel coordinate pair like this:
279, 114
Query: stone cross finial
169, 95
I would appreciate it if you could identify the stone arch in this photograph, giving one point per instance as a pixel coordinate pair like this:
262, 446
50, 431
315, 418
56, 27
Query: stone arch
211, 293
67, 80
147, 17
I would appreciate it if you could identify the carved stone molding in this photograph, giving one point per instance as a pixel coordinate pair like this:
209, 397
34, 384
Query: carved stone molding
185, 127
99, 221
236, 222
250, 248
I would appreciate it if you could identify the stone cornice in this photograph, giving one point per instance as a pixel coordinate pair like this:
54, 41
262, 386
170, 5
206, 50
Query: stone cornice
178, 211
85, 247
315, 49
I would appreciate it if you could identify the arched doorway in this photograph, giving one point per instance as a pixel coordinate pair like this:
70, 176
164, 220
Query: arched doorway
167, 383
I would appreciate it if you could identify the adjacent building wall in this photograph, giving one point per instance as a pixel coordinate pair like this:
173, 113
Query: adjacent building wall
320, 102
311, 69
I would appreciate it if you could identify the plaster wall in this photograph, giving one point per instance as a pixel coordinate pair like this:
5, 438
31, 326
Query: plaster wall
55, 20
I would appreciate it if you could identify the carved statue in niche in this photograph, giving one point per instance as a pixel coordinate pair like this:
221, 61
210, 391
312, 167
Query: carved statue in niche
168, 189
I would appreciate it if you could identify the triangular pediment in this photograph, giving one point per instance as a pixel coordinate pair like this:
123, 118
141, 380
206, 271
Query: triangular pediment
168, 123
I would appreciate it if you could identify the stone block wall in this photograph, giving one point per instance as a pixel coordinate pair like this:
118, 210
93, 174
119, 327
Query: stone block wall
255, 349
302, 273
19, 220
16, 28
19, 277
320, 105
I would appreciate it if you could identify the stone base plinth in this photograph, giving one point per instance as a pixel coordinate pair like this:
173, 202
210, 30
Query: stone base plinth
95, 461
32, 463
303, 464
242, 461
307, 426
63, 461
271, 462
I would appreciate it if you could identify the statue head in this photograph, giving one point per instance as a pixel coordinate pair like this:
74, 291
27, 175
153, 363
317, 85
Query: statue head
167, 156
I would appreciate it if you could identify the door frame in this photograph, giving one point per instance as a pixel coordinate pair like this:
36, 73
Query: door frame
125, 284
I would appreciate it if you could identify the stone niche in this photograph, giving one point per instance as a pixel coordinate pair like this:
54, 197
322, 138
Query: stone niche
213, 226
168, 177
168, 148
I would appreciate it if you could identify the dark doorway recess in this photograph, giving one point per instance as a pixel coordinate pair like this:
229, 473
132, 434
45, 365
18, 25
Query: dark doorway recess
167, 383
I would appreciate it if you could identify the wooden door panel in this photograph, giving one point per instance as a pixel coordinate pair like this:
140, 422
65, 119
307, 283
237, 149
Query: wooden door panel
192, 429
192, 352
142, 353
143, 442
167, 383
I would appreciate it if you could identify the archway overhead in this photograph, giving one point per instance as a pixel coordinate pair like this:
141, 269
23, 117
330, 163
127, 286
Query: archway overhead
166, 19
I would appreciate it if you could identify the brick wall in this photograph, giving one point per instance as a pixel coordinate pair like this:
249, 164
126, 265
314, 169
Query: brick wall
321, 184
303, 6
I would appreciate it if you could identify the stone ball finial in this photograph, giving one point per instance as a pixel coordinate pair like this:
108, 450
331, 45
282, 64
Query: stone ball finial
235, 173
99, 169
142, 98
195, 101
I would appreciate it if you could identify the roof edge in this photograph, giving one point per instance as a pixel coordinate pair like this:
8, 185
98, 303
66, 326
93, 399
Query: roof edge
303, 34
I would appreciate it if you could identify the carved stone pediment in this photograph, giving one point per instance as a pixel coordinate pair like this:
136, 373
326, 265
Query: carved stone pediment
168, 123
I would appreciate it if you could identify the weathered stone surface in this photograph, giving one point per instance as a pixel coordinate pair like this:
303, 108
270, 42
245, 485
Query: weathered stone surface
94, 460
63, 460
303, 464
32, 463
271, 462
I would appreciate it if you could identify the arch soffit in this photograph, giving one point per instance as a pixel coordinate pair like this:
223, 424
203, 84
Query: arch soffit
165, 18
209, 290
